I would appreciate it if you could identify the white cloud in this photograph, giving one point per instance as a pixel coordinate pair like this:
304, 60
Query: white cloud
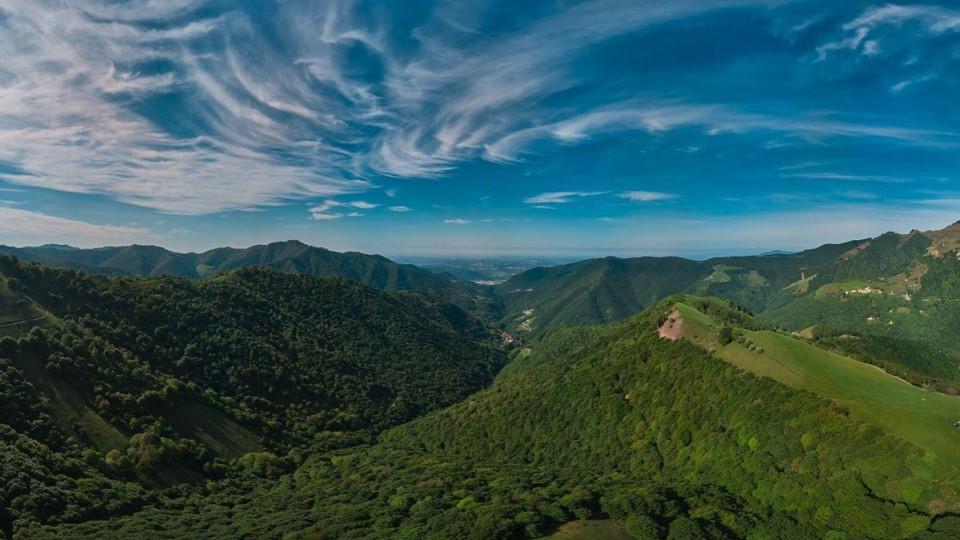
400, 208
324, 216
326, 205
322, 212
714, 119
34, 227
284, 113
848, 43
933, 20
545, 200
363, 205
457, 221
70, 77
472, 93
560, 197
861, 195
903, 85
849, 177
646, 196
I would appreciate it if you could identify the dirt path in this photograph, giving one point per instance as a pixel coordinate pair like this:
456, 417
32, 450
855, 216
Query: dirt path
23, 321
672, 328
44, 314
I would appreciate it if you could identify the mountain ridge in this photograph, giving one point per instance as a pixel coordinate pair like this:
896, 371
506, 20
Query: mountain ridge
289, 256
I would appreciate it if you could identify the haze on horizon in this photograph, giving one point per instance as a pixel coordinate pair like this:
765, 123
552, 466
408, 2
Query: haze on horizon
575, 128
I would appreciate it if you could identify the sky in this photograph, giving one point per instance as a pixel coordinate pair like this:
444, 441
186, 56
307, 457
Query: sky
477, 128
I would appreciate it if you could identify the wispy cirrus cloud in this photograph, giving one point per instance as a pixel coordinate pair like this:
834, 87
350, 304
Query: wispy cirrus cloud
74, 108
907, 83
714, 120
646, 196
560, 197
935, 19
478, 91
199, 106
400, 208
457, 221
845, 177
882, 29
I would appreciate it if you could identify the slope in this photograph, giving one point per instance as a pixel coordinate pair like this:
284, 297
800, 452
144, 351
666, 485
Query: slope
18, 312
905, 287
892, 301
601, 422
922, 417
165, 380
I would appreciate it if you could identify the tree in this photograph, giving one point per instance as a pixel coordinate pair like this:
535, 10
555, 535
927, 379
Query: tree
726, 335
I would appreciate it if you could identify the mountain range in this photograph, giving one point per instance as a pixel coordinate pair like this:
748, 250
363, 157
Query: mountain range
286, 391
289, 256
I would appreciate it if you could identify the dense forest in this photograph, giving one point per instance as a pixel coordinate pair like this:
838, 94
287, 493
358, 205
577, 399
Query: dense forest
609, 422
131, 387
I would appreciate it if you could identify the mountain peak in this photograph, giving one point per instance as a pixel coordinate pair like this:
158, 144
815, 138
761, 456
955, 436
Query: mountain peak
291, 242
944, 240
62, 247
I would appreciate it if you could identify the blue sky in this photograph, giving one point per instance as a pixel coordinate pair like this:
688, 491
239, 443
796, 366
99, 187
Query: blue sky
690, 127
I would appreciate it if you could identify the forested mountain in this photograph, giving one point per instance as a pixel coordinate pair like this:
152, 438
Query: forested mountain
291, 256
896, 286
904, 287
116, 389
611, 289
629, 422
791, 288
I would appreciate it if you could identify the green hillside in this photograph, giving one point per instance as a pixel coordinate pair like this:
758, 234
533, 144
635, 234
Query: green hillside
606, 290
610, 423
149, 383
891, 301
591, 292
922, 417
905, 287
921, 363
